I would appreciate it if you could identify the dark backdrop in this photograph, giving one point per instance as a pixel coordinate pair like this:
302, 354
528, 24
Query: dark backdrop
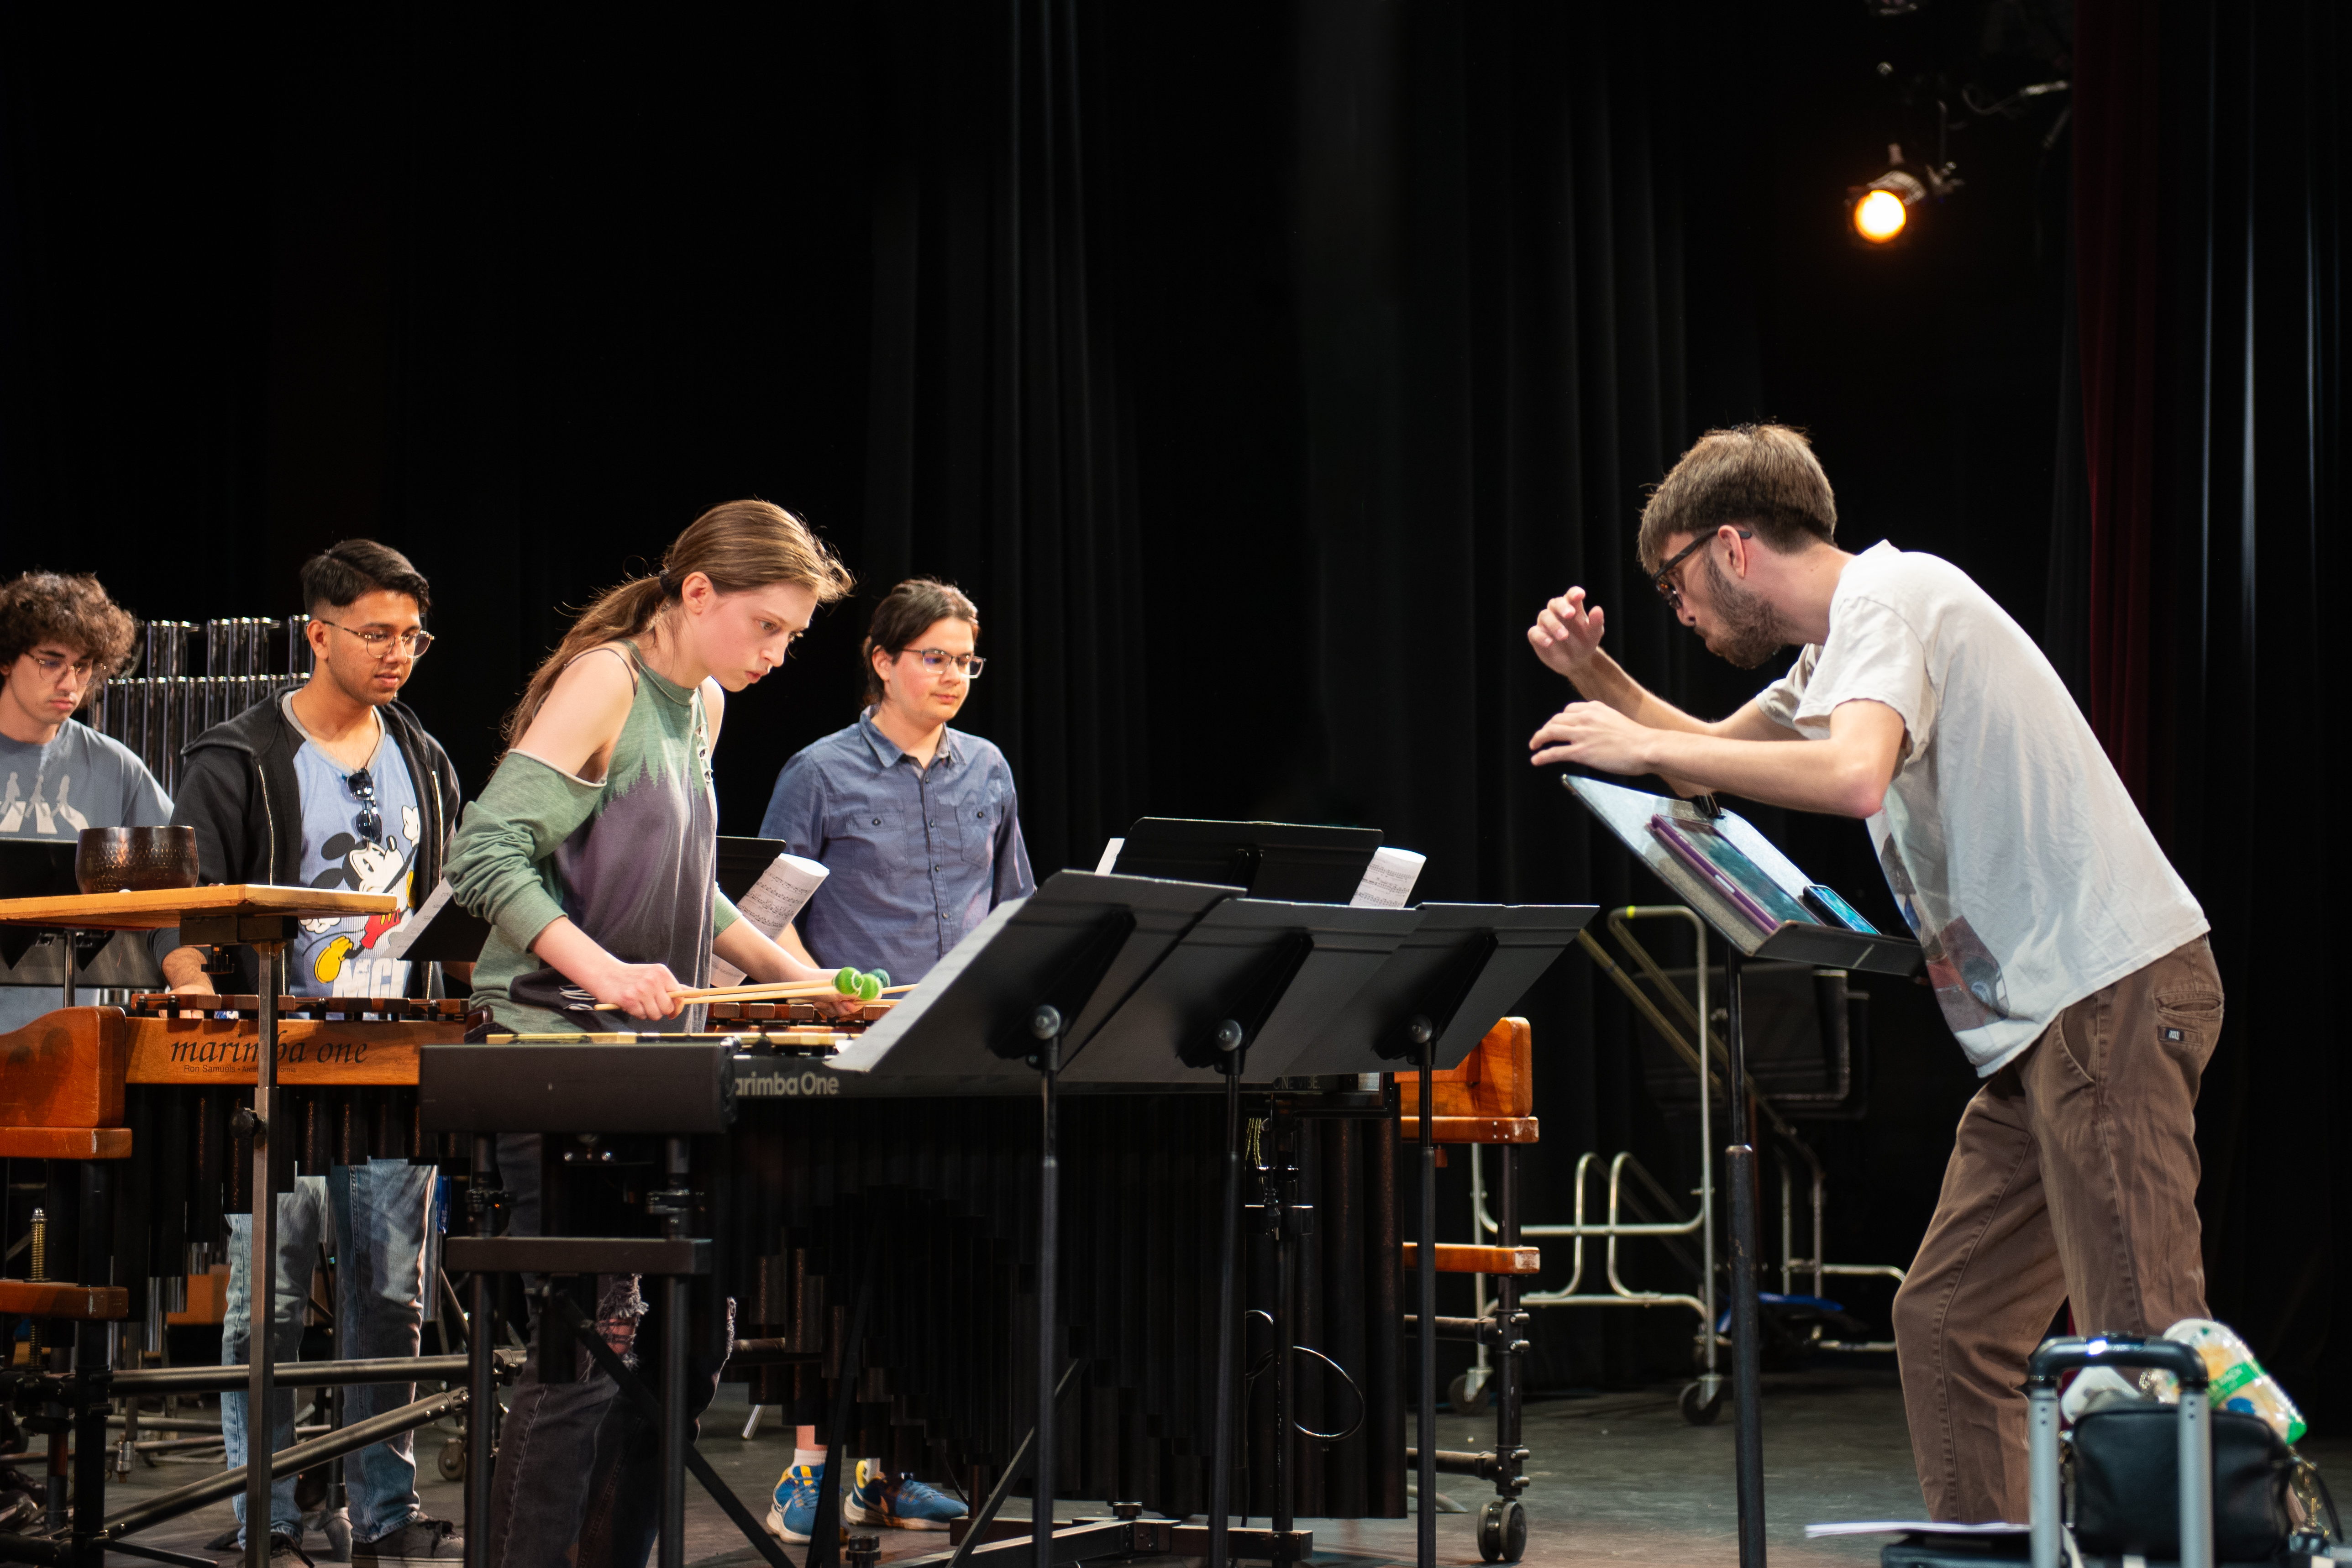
1258, 368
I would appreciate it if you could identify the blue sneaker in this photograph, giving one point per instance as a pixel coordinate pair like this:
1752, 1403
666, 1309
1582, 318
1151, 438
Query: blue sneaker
793, 1513
904, 1503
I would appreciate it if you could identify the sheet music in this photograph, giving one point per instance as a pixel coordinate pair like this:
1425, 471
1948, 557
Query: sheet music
782, 891
1109, 857
1388, 881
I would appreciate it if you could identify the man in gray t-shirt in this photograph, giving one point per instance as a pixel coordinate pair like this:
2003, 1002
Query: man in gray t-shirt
60, 638
2069, 959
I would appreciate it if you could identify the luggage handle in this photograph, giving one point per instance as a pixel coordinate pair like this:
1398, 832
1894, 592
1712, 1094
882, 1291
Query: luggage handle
2057, 1356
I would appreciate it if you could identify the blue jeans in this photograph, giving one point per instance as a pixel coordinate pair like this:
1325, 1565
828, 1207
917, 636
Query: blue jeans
379, 1212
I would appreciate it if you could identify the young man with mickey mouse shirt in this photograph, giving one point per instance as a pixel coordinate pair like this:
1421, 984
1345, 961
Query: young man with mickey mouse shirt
334, 784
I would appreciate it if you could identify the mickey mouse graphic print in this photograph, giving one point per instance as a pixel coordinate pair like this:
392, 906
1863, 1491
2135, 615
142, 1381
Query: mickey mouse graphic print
360, 829
2011, 847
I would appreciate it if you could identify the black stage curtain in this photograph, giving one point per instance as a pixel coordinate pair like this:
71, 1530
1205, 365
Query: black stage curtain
1259, 369
2224, 145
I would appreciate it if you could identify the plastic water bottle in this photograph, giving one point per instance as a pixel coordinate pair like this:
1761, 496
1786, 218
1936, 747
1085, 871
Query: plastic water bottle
2239, 1381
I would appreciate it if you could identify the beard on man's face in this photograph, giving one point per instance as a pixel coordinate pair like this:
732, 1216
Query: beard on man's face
1748, 631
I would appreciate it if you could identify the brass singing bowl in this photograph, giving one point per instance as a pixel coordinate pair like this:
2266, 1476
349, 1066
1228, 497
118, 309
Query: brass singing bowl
112, 860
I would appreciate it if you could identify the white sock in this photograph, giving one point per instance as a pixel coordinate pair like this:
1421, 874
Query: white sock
808, 1457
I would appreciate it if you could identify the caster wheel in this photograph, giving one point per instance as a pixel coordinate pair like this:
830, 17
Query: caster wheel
1502, 1530
1464, 1403
451, 1461
1697, 1408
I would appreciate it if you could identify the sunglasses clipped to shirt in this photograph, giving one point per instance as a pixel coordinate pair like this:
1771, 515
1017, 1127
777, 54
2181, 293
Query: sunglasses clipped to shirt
362, 785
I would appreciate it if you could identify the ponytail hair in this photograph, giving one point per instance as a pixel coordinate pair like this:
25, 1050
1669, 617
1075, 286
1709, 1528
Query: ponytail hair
738, 544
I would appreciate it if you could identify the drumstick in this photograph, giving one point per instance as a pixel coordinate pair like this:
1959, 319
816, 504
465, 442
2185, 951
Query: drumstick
778, 988
751, 994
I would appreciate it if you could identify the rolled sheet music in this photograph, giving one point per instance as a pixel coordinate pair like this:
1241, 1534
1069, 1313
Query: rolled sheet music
782, 891
1388, 881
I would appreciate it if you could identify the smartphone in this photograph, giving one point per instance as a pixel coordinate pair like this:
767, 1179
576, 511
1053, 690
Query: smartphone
1832, 910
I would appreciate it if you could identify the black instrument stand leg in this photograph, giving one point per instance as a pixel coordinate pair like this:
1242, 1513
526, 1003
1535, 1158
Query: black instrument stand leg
481, 1346
261, 1269
93, 1361
1046, 1025
1221, 1475
1281, 1175
1747, 1359
1425, 1507
676, 1330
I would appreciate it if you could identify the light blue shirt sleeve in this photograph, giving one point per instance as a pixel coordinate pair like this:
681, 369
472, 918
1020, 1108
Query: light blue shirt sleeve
1013, 877
796, 808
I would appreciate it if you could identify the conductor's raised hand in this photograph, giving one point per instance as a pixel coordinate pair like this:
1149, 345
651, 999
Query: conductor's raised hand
1567, 632
640, 991
1594, 735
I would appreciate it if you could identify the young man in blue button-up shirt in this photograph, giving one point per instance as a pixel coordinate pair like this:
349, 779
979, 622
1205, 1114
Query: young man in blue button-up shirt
920, 828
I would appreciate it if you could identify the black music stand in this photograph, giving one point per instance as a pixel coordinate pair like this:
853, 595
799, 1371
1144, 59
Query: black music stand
1281, 969
1301, 862
1018, 987
741, 861
1465, 966
44, 868
442, 931
1186, 979
1628, 813
1254, 979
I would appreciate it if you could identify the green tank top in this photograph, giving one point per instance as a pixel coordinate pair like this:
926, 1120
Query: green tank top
631, 859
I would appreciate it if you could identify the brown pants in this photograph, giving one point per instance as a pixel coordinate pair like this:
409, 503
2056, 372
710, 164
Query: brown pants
2073, 1179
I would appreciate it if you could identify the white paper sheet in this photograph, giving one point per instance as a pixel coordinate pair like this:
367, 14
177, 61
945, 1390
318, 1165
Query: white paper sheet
1109, 856
782, 891
1909, 1526
1388, 881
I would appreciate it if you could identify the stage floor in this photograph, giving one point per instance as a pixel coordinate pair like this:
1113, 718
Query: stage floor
1616, 1479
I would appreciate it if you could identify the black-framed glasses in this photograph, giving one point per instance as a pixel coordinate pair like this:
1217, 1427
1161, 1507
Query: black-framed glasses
371, 813
1671, 592
938, 662
414, 641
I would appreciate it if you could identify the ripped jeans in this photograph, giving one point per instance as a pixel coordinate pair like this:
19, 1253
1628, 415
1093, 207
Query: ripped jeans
578, 1461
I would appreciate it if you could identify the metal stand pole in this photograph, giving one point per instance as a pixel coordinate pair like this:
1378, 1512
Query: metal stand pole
1746, 1365
1221, 1479
1425, 1509
261, 1270
674, 1333
1047, 1027
1286, 1287
481, 1344
93, 1352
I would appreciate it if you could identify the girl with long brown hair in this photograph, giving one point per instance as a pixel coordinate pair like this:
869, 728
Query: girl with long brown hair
593, 854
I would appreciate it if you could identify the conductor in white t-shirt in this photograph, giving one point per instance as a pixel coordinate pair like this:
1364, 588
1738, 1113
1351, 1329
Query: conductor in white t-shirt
2068, 957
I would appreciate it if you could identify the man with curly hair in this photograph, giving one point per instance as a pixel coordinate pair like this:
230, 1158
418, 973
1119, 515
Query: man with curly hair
60, 638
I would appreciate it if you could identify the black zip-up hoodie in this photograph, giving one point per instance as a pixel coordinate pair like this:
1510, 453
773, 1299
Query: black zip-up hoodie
238, 789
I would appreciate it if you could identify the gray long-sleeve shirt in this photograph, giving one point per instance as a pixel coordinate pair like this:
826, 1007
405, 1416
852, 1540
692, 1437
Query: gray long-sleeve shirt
917, 855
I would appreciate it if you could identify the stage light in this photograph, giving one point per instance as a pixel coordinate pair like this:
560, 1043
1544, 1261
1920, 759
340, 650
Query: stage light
1879, 216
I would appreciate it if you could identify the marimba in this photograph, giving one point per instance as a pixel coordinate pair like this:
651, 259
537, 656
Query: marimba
817, 1165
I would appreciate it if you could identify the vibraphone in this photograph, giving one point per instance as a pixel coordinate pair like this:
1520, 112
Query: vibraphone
823, 1174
